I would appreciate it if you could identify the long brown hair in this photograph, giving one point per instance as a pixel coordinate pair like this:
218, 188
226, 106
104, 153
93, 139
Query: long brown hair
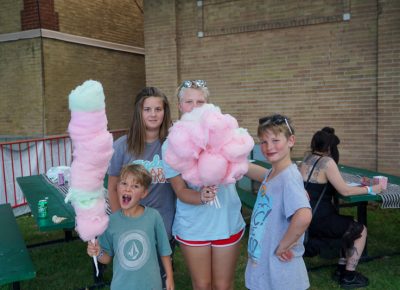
136, 140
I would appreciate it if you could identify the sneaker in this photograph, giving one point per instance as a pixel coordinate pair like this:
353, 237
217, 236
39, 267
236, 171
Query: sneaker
336, 275
357, 281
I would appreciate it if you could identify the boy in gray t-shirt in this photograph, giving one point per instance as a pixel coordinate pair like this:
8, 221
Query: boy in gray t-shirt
280, 216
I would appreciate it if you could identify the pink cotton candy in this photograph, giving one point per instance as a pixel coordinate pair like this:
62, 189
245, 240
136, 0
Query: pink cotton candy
212, 168
219, 130
236, 171
91, 222
208, 147
92, 151
180, 134
83, 124
178, 163
192, 176
239, 146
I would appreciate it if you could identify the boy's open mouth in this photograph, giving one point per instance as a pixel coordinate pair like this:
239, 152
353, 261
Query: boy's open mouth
126, 198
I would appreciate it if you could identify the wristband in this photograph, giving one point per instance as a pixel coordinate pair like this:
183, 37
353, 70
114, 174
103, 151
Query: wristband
100, 254
369, 190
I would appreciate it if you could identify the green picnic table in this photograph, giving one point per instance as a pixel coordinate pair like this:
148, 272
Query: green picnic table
247, 194
36, 188
247, 190
15, 262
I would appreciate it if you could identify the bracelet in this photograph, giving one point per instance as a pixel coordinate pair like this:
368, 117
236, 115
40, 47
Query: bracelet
369, 189
202, 201
100, 254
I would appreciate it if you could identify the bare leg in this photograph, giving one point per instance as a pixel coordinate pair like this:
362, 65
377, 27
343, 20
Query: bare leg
353, 255
224, 260
198, 260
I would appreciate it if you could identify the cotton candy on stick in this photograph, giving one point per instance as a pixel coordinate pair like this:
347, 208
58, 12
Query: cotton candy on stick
92, 151
208, 147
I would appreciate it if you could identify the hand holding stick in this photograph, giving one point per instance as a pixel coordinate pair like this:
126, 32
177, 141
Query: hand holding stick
93, 250
208, 195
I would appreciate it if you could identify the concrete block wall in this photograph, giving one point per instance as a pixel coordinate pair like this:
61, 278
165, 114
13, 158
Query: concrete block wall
37, 73
68, 65
21, 91
302, 60
10, 15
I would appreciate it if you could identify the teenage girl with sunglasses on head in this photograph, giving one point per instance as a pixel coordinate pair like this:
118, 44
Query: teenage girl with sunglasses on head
209, 237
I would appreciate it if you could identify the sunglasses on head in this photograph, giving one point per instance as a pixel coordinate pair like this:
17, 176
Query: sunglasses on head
275, 120
194, 84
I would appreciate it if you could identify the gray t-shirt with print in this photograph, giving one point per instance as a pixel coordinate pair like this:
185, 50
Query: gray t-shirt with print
161, 195
277, 200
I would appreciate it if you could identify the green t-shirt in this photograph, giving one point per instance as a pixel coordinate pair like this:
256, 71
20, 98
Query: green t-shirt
133, 242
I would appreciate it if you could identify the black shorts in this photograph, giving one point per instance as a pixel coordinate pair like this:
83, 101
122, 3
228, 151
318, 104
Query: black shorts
332, 226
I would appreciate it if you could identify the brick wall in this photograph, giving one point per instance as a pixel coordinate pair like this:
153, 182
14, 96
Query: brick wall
262, 57
39, 14
389, 87
161, 50
68, 65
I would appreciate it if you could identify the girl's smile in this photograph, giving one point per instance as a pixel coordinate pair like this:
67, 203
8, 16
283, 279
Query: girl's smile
153, 113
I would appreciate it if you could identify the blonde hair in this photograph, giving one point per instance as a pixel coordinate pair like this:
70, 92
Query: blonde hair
276, 123
141, 175
199, 85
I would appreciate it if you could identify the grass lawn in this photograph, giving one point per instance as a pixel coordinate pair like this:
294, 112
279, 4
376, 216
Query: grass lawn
66, 265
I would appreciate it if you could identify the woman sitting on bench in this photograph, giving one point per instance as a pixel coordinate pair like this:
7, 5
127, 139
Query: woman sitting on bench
322, 179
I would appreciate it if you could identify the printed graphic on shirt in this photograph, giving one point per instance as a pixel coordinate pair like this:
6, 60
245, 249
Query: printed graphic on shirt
155, 167
133, 250
258, 220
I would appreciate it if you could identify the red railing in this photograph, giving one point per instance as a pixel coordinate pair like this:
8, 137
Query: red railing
31, 157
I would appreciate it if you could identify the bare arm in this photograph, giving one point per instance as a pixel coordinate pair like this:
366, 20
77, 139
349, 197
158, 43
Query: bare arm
187, 195
256, 172
166, 261
112, 193
298, 225
335, 178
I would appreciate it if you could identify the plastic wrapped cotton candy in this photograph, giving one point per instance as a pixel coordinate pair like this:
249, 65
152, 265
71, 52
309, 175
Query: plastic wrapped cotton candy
208, 147
92, 151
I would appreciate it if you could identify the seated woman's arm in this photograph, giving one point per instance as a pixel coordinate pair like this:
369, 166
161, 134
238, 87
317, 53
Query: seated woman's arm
187, 195
335, 178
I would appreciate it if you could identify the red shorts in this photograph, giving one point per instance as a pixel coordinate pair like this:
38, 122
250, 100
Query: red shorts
217, 243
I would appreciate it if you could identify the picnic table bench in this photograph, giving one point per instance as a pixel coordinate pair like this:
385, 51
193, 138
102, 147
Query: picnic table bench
15, 263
